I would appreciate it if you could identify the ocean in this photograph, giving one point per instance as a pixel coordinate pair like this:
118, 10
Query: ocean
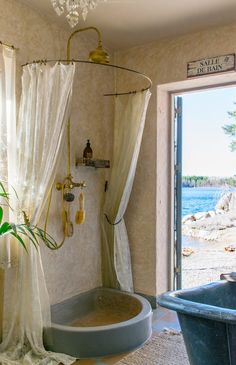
196, 200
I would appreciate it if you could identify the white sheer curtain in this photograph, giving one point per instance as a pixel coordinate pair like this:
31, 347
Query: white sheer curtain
7, 134
130, 114
44, 109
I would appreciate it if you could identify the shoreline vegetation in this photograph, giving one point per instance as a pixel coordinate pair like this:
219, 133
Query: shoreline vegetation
208, 181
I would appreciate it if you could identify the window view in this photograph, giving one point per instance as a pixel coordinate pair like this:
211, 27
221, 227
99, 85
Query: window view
208, 185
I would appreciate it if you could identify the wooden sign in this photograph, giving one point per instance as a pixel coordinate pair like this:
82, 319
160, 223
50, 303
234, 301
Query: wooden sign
211, 65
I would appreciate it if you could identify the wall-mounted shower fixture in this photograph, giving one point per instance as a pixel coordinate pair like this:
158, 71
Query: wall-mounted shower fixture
69, 184
68, 197
98, 55
101, 58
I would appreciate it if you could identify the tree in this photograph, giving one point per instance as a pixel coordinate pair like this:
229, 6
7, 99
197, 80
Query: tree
230, 130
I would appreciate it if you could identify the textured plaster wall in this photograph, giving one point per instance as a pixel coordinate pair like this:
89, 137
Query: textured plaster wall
149, 215
75, 267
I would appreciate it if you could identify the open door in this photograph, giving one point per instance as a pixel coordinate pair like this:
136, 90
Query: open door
178, 194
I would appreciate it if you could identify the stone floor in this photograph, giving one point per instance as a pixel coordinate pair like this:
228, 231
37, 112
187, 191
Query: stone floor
162, 318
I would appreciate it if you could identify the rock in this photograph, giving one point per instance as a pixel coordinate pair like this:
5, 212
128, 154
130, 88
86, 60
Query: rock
212, 225
188, 218
227, 203
200, 215
229, 248
232, 203
223, 203
187, 251
211, 213
219, 211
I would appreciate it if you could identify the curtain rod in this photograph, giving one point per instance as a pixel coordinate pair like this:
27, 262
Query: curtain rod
8, 45
44, 62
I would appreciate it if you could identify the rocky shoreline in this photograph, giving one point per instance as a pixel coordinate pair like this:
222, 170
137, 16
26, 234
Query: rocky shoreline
216, 224
213, 251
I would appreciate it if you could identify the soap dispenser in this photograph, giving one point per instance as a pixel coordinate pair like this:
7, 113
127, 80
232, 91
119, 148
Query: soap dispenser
88, 152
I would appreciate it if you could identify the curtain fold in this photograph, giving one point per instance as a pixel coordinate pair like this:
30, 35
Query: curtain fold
130, 114
7, 135
44, 111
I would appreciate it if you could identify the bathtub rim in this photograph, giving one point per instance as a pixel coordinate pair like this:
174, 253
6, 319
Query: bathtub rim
171, 300
145, 312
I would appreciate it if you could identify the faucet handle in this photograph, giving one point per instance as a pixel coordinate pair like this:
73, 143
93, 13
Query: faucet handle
83, 184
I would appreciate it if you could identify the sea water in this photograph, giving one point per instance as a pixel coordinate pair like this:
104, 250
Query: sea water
196, 200
203, 199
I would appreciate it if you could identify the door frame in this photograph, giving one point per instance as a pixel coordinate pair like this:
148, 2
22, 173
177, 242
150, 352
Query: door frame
165, 180
178, 148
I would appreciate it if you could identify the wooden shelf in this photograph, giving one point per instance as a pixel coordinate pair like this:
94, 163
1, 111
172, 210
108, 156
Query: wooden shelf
93, 163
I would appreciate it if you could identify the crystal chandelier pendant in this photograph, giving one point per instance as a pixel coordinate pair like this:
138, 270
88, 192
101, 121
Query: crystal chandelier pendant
73, 18
84, 13
74, 8
58, 6
92, 4
72, 5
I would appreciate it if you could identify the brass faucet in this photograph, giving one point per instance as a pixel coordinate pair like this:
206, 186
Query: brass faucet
68, 183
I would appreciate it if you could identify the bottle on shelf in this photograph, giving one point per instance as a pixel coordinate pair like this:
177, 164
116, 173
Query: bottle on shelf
88, 153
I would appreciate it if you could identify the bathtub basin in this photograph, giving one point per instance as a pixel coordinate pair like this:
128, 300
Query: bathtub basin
207, 316
99, 323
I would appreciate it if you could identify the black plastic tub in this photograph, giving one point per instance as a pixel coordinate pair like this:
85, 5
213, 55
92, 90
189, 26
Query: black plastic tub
207, 316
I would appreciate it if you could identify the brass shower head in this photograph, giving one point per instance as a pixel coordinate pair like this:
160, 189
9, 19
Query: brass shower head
99, 55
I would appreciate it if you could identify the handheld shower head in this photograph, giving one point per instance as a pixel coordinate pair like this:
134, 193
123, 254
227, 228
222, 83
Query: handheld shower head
68, 197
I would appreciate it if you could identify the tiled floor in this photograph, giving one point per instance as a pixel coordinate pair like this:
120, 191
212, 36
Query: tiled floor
162, 318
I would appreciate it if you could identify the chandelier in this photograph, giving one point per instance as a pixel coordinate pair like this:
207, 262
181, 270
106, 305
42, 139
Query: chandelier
74, 8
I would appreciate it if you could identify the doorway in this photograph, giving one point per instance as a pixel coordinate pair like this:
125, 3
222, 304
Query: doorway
204, 185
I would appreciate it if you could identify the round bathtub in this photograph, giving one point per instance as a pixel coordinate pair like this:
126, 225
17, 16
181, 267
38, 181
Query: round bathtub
99, 323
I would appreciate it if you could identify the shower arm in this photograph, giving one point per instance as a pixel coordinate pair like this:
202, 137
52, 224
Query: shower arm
79, 31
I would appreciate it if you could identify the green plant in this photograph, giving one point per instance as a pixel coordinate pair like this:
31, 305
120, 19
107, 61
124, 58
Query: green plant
23, 230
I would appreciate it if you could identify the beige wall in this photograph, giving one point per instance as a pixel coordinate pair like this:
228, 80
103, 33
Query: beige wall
149, 215
75, 267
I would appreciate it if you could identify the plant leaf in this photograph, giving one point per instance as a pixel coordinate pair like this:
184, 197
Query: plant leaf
23, 230
3, 192
30, 229
1, 215
5, 228
19, 239
33, 233
46, 238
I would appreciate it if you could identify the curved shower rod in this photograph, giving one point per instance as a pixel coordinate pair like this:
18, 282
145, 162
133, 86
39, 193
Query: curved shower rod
96, 57
44, 62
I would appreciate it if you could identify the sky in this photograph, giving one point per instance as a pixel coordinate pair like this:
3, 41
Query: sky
205, 145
